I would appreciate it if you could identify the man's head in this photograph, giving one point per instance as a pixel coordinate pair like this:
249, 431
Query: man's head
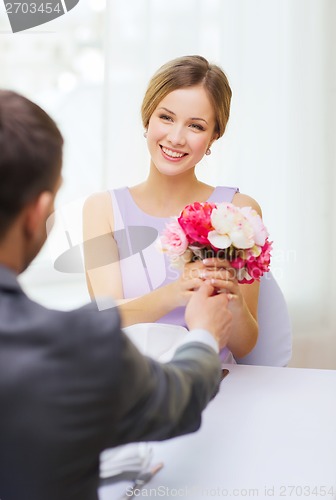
30, 166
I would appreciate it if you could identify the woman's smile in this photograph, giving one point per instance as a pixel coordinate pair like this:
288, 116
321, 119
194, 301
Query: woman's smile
172, 154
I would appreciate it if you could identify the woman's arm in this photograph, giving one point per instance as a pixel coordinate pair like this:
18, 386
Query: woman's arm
244, 302
247, 315
103, 274
101, 257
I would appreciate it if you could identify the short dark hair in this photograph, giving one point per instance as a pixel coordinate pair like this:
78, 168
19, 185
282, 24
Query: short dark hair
31, 148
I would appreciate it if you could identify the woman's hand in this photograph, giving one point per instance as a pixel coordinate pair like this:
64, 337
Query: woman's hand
223, 278
189, 281
217, 272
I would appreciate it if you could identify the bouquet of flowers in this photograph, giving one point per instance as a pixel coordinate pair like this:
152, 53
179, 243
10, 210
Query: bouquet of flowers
220, 230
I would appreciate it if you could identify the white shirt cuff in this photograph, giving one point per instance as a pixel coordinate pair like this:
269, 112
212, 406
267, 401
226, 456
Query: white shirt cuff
203, 336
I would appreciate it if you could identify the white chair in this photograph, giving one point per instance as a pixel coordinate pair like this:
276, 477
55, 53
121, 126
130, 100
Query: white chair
274, 345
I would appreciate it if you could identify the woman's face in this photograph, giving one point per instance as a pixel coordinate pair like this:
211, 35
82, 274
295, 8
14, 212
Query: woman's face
180, 130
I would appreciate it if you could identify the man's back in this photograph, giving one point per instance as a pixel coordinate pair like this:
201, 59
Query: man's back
54, 392
71, 385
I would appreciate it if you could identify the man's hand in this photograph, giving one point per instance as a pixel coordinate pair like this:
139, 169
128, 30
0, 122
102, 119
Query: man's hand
210, 312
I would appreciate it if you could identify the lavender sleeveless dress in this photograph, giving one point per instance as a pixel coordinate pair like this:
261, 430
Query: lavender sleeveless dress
144, 270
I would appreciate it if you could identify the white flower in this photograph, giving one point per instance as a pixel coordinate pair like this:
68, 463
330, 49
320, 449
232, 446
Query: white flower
230, 228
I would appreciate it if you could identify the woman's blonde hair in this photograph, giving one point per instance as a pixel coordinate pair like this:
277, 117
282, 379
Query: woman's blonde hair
185, 72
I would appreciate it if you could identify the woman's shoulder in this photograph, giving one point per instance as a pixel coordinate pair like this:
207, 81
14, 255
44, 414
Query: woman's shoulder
244, 200
97, 210
97, 200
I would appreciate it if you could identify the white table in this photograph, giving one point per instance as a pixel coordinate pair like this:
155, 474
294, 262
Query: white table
269, 433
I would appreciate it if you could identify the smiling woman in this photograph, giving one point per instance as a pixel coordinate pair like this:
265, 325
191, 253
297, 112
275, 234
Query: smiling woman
279, 145
181, 130
185, 109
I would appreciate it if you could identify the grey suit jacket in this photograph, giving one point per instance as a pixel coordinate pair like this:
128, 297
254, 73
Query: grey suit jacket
72, 384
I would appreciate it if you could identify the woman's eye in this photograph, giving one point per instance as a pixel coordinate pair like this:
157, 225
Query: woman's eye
197, 126
166, 117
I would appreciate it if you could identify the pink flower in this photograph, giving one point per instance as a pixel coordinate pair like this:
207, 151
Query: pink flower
260, 232
195, 220
257, 266
173, 239
264, 258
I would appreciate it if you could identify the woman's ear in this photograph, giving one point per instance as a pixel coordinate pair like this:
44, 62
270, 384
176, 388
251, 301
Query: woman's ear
214, 138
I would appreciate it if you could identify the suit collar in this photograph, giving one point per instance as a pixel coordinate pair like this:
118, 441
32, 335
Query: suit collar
8, 279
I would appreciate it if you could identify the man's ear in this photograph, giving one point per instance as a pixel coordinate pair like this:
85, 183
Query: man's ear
37, 213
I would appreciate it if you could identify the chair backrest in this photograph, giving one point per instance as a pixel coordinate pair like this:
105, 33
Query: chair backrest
274, 345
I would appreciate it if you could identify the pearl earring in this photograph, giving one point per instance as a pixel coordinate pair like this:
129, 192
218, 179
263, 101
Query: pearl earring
208, 152
145, 134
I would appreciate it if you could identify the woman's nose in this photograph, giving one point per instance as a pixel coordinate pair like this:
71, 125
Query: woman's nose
176, 136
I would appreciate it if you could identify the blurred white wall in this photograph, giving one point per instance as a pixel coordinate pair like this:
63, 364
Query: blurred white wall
61, 66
